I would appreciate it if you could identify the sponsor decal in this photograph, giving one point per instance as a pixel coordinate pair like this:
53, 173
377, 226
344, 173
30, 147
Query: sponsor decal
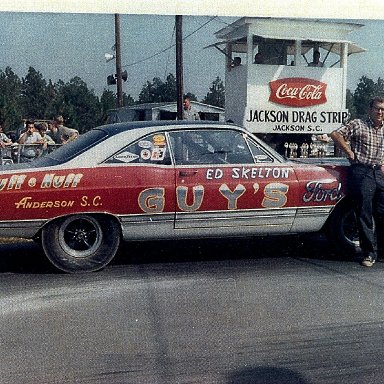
29, 203
158, 153
190, 199
145, 144
145, 154
87, 201
158, 139
126, 157
50, 180
321, 192
249, 173
298, 92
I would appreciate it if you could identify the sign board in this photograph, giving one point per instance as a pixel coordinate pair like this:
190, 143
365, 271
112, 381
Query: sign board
286, 99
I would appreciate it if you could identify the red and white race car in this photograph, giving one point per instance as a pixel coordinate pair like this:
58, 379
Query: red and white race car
166, 180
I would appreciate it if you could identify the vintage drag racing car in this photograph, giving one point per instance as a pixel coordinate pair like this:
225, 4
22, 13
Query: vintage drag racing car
166, 180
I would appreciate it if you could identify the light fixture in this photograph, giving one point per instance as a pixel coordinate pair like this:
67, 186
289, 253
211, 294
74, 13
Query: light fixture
109, 57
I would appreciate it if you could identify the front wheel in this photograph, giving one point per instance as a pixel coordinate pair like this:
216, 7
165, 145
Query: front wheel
81, 243
342, 229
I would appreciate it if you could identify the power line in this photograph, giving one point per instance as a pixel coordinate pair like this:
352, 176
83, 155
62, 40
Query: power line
170, 47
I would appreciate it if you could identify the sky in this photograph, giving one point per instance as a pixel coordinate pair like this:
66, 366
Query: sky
61, 46
65, 45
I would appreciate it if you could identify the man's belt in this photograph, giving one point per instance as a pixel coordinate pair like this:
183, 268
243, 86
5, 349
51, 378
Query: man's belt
371, 166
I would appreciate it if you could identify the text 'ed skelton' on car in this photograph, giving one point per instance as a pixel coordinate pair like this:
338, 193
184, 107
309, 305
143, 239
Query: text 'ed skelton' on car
166, 180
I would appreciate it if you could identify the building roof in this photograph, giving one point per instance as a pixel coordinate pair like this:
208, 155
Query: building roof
330, 34
172, 107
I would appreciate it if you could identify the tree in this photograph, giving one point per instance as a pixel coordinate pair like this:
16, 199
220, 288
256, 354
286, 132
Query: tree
10, 106
216, 94
107, 101
350, 104
34, 95
128, 100
191, 96
365, 91
79, 106
159, 91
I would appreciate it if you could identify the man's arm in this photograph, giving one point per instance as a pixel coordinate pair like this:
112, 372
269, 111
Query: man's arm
71, 133
22, 138
342, 144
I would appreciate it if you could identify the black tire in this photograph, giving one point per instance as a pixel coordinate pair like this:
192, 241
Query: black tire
81, 243
342, 229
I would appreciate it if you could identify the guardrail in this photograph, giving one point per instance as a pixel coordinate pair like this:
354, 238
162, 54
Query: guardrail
24, 153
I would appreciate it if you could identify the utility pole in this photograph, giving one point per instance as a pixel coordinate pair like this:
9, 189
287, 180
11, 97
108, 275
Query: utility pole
119, 80
179, 66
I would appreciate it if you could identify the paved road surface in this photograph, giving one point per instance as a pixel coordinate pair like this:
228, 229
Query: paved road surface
282, 310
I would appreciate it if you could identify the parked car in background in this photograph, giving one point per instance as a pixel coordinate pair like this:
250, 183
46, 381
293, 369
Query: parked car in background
167, 180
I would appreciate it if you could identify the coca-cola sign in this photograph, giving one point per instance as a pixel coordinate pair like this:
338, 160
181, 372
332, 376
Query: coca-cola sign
298, 92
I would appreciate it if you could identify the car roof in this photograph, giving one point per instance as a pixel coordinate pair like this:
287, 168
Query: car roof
114, 129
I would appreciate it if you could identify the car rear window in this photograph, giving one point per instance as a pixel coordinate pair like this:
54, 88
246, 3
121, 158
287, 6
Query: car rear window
72, 149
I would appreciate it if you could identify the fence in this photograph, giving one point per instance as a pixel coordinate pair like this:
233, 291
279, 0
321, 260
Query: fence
24, 153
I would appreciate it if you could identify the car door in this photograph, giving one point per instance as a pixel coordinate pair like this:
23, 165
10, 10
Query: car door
227, 184
141, 181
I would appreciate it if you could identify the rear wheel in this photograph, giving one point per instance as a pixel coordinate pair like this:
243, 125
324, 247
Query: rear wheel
81, 243
342, 229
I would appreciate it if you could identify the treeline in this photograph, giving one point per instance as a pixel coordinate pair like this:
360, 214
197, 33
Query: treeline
358, 100
32, 97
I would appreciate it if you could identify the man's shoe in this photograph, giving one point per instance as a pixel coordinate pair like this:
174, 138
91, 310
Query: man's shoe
368, 261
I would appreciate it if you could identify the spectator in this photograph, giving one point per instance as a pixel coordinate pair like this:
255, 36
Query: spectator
61, 134
50, 125
30, 135
4, 140
47, 140
316, 60
259, 58
187, 113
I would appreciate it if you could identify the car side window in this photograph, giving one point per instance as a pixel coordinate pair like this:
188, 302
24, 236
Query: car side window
209, 146
152, 149
259, 153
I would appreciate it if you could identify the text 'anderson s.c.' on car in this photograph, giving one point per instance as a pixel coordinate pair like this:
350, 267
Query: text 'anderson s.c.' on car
165, 180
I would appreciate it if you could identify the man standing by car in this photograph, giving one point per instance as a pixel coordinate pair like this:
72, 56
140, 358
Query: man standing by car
188, 114
363, 143
61, 134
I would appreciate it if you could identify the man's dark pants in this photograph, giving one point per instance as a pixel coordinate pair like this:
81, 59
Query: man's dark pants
366, 187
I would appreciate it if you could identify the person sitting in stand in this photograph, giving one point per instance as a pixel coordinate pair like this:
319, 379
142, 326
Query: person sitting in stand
30, 135
50, 124
5, 141
47, 140
316, 60
61, 134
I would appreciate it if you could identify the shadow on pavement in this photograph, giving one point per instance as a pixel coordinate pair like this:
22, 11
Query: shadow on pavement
266, 375
313, 246
24, 256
